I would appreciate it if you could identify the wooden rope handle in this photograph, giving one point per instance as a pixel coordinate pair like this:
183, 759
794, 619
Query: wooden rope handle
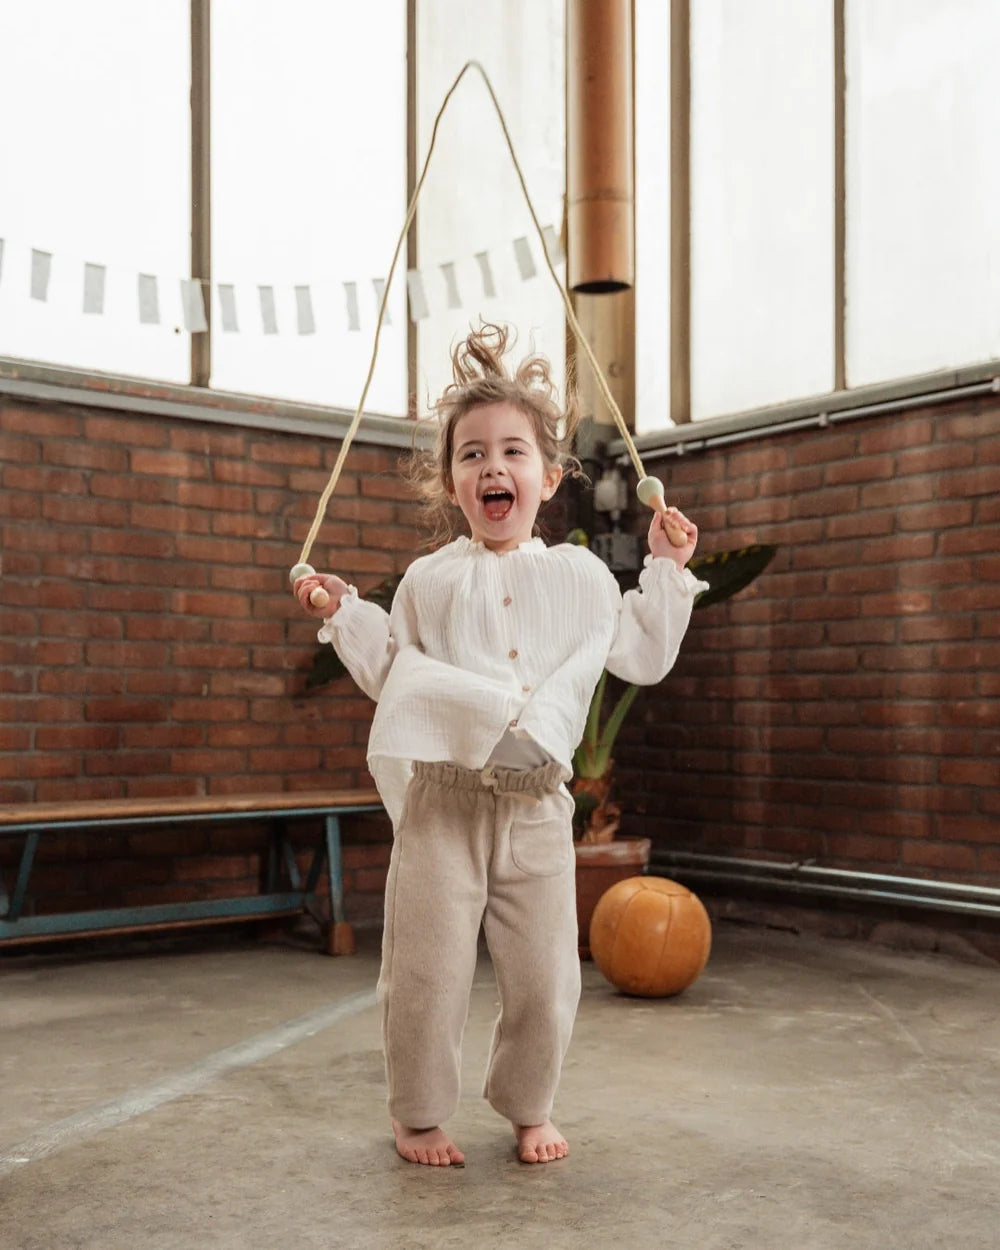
650, 491
317, 596
648, 496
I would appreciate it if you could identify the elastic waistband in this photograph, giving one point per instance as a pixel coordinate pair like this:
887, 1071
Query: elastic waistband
526, 781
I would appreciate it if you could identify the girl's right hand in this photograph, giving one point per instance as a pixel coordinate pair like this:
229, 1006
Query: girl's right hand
334, 586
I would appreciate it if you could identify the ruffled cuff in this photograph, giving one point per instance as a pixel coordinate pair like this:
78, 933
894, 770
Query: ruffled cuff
662, 567
348, 603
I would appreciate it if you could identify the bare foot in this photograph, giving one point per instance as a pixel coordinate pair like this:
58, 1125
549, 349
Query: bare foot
540, 1143
426, 1145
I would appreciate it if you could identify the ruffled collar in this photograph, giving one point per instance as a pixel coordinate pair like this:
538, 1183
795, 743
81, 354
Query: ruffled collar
464, 543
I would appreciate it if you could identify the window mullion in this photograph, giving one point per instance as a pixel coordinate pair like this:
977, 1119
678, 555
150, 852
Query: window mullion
201, 183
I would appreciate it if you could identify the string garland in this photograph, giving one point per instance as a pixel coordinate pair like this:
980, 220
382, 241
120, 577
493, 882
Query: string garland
650, 490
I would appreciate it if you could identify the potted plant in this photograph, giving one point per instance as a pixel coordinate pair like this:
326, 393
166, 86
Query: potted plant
603, 859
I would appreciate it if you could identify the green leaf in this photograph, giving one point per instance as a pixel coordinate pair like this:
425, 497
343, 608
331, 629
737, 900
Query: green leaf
590, 733
617, 718
727, 572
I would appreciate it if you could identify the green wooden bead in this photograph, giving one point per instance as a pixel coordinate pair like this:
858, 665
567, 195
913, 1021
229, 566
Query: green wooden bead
649, 488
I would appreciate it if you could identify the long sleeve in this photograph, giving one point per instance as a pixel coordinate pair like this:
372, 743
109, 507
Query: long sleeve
481, 645
368, 639
652, 621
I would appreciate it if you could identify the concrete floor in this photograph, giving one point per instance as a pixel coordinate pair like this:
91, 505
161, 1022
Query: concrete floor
804, 1093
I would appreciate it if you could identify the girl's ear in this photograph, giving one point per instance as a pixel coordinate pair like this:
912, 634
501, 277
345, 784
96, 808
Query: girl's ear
550, 481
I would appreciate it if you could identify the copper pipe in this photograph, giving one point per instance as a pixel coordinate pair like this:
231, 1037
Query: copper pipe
599, 145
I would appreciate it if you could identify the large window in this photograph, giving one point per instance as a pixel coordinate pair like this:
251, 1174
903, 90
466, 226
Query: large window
923, 186
842, 193
761, 203
308, 176
95, 183
308, 196
837, 180
472, 210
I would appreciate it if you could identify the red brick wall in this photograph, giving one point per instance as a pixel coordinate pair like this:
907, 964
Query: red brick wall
843, 708
847, 706
148, 642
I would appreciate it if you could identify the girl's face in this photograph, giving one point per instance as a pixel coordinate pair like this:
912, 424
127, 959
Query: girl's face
498, 476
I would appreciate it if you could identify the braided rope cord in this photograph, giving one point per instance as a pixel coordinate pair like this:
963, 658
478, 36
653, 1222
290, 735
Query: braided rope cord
567, 303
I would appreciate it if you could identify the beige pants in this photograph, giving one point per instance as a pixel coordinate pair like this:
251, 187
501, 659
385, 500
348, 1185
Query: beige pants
492, 848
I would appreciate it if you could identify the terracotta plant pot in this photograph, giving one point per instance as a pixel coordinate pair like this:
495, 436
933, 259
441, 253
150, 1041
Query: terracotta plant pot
599, 866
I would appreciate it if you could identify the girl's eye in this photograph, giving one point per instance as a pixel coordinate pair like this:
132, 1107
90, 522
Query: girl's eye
514, 451
471, 455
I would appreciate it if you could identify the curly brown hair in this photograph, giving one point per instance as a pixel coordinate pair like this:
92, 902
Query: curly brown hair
477, 366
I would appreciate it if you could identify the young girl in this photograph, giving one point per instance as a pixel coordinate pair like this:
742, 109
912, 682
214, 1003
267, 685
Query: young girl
483, 673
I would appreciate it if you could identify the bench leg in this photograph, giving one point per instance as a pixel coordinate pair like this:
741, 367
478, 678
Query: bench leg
16, 902
340, 936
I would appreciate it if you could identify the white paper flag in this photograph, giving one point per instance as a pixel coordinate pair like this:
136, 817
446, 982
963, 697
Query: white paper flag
93, 288
305, 321
418, 297
525, 260
268, 312
193, 306
41, 268
149, 302
451, 283
353, 316
486, 273
227, 307
379, 285
553, 244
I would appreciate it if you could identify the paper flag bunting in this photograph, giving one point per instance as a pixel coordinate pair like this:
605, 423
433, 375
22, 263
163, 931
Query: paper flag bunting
149, 301
93, 288
353, 317
41, 268
305, 322
227, 307
418, 296
457, 276
268, 312
193, 305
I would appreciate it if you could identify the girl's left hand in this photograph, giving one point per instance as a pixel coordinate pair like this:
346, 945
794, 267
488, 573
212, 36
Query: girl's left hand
660, 544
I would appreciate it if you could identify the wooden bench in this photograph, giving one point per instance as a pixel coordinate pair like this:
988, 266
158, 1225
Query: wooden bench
284, 891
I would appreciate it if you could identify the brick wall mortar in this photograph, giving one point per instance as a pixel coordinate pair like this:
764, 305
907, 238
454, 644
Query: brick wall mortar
843, 708
861, 670
149, 644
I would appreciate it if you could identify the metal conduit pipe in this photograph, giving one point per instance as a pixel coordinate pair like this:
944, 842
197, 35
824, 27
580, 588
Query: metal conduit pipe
803, 878
821, 420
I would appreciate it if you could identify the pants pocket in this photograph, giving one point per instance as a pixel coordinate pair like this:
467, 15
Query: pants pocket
541, 840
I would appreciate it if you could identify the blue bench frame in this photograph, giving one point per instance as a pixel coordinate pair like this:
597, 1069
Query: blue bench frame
285, 890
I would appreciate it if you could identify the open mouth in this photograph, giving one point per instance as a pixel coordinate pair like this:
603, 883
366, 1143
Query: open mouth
497, 503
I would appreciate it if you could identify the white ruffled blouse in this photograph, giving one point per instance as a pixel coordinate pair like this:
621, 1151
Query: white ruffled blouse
483, 648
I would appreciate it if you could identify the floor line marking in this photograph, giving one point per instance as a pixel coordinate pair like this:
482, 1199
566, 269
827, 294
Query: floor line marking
88, 1123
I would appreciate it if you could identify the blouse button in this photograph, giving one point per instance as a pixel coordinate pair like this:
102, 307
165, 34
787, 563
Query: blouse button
512, 654
526, 689
513, 724
507, 601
